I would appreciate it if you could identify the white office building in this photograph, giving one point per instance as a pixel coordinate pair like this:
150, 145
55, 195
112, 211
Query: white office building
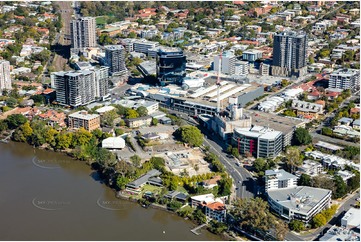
228, 63
142, 45
5, 79
301, 202
241, 68
276, 179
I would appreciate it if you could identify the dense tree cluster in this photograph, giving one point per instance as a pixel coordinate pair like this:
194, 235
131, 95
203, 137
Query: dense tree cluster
323, 217
190, 135
253, 215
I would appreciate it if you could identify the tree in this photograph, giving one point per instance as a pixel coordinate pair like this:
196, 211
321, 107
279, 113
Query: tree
235, 152
105, 158
217, 227
254, 215
15, 120
157, 162
131, 113
354, 182
293, 158
341, 187
259, 164
11, 102
289, 113
323, 181
199, 216
142, 111
109, 117
302, 136
121, 182
296, 225
39, 99
326, 131
81, 137
3, 125
225, 186
174, 205
318, 220
49, 135
105, 39
305, 180
132, 35
154, 122
64, 140
189, 134
135, 159
281, 229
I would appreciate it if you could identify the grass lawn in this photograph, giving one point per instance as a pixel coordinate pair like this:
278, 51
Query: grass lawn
101, 20
181, 189
151, 188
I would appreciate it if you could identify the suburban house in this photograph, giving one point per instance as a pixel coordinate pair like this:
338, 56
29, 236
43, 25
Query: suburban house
151, 177
53, 118
176, 195
210, 183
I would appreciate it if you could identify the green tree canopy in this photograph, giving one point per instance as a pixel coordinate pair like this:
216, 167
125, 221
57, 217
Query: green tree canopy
142, 111
189, 134
131, 113
15, 120
305, 180
302, 136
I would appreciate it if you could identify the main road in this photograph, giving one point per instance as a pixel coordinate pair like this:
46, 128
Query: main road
245, 184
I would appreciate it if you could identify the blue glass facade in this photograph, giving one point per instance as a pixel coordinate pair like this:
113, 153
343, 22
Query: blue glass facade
171, 66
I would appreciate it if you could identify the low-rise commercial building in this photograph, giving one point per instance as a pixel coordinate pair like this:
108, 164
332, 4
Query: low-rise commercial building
80, 119
351, 219
301, 203
340, 234
139, 122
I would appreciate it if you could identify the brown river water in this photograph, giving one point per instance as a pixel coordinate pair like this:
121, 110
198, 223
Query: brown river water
49, 196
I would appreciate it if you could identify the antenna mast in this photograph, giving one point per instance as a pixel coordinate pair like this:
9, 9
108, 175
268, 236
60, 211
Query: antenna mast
219, 83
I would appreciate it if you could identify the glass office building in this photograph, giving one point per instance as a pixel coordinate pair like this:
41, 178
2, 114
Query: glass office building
171, 66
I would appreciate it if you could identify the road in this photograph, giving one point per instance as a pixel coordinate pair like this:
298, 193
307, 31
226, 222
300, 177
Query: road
243, 180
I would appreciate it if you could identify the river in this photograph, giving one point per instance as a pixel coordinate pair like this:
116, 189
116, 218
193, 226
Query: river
48, 196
